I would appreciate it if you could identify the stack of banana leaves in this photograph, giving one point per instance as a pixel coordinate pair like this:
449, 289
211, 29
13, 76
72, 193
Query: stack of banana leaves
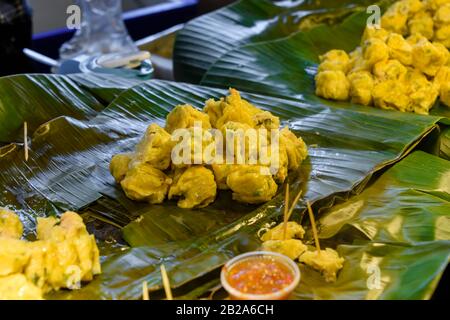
378, 181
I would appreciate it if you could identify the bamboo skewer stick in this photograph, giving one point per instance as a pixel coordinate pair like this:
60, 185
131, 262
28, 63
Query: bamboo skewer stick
25, 141
286, 212
296, 200
166, 283
313, 224
145, 295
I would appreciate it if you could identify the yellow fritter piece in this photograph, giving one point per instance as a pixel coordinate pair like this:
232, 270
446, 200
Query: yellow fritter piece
414, 6
422, 24
155, 148
196, 146
442, 81
443, 35
145, 183
196, 187
391, 95
45, 227
389, 70
18, 287
119, 166
361, 87
396, 17
327, 262
375, 50
221, 173
296, 148
335, 60
442, 15
293, 231
357, 62
434, 5
252, 184
332, 85
429, 57
291, 248
399, 49
371, 32
186, 116
10, 224
235, 109
422, 93
14, 256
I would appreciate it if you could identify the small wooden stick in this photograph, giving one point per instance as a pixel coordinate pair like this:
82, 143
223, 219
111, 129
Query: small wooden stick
145, 295
313, 224
25, 141
294, 204
166, 283
286, 212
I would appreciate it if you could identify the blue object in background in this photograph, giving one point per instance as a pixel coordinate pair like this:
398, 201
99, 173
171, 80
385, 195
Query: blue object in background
140, 24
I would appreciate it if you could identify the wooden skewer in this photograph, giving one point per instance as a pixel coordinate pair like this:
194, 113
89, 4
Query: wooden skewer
286, 212
166, 283
145, 295
313, 224
25, 141
294, 204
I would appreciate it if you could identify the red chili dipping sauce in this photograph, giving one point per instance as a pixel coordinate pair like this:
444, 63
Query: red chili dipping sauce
257, 275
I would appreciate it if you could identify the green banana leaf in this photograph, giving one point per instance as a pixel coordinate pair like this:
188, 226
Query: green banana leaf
106, 87
38, 99
206, 39
444, 146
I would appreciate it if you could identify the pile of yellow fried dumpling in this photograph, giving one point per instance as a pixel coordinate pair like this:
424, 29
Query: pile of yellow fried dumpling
404, 65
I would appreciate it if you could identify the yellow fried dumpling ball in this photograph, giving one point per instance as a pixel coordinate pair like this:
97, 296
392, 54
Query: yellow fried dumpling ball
429, 57
18, 287
442, 15
293, 231
361, 86
399, 49
10, 224
296, 148
395, 18
442, 80
328, 262
231, 108
14, 256
334, 60
184, 117
332, 85
252, 184
221, 173
422, 93
414, 39
357, 62
145, 183
119, 166
443, 35
389, 70
291, 248
155, 148
422, 23
391, 95
371, 32
375, 50
195, 185
434, 5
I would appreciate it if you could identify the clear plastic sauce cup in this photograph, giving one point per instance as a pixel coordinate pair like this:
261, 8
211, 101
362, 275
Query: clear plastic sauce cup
260, 275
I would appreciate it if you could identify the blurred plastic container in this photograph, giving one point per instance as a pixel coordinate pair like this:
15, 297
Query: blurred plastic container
102, 31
